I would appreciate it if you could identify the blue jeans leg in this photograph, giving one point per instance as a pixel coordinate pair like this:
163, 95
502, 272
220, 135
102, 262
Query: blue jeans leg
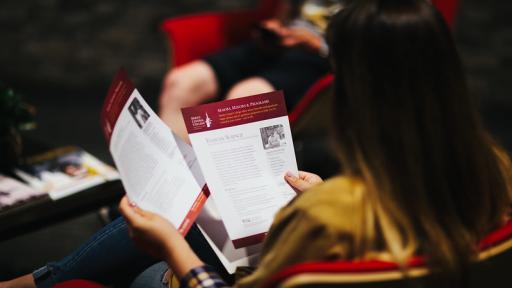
109, 257
153, 277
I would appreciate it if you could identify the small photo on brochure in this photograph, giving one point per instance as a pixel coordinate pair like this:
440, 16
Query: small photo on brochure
272, 136
139, 114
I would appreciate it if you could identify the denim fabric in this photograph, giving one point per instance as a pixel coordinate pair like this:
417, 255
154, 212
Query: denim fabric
153, 277
109, 257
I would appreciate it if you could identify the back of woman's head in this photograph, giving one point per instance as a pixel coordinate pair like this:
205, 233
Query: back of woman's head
406, 125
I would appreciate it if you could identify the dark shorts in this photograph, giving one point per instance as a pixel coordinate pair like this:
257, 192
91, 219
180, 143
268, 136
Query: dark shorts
291, 70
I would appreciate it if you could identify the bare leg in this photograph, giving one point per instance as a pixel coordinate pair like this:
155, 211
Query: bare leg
25, 281
185, 86
249, 86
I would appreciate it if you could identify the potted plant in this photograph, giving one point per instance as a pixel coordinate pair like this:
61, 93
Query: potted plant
15, 116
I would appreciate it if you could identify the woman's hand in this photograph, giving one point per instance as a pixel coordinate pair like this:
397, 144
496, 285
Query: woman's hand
150, 231
302, 183
159, 238
295, 36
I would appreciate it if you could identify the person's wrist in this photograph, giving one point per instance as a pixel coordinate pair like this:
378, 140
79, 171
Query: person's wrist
174, 242
180, 257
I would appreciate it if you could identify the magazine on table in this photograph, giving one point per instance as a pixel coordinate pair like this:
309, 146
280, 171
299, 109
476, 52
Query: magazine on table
242, 148
14, 192
64, 171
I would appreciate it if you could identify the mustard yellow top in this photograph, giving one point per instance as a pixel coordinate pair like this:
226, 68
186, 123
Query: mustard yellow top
320, 224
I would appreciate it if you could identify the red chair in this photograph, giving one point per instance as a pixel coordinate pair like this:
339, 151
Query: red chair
491, 270
448, 8
194, 36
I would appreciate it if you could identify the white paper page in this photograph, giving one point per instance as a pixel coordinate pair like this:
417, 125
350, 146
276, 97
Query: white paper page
251, 177
210, 223
153, 170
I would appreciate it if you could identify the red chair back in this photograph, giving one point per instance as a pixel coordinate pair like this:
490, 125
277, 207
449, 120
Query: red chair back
194, 36
448, 8
492, 269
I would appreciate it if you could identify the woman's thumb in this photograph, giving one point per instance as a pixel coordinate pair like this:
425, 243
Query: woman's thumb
296, 182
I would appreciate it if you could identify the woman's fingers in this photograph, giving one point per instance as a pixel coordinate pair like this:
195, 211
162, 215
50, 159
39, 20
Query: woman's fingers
310, 177
132, 214
124, 207
297, 183
304, 181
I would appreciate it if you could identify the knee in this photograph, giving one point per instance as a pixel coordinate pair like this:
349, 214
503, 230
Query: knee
250, 86
174, 85
187, 85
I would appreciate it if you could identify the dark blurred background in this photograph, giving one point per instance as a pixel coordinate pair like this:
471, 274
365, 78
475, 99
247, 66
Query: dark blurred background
62, 56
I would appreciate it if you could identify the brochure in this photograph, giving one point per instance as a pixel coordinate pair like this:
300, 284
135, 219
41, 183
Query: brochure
210, 223
244, 147
161, 173
63, 171
153, 168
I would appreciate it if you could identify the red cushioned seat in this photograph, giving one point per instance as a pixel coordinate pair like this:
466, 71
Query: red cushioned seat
491, 270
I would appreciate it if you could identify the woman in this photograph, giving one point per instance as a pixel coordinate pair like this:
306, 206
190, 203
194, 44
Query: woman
420, 173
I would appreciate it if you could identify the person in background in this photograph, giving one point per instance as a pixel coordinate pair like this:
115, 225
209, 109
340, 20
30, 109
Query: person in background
288, 52
420, 173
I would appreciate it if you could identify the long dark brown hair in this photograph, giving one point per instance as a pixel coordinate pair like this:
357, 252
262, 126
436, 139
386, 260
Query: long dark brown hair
406, 125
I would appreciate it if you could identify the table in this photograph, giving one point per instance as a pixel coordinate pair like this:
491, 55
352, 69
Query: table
44, 211
41, 212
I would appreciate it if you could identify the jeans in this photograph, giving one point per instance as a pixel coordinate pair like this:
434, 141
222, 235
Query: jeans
153, 277
110, 257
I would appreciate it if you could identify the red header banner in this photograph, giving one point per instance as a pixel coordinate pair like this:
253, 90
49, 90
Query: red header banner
234, 112
118, 94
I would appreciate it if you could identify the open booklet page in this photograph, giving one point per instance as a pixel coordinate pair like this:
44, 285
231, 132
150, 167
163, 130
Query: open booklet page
244, 147
153, 170
211, 226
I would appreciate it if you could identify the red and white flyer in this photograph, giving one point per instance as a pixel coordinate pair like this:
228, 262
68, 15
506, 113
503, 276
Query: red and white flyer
244, 147
153, 165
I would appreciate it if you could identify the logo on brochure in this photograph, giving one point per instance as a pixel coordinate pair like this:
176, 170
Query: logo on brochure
199, 122
208, 121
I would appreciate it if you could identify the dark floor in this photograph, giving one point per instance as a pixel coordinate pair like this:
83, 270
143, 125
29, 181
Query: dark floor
63, 55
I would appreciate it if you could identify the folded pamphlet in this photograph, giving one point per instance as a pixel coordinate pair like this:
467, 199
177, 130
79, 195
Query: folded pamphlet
242, 148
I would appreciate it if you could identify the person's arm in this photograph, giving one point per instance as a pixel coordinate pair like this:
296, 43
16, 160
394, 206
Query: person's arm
160, 238
295, 36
